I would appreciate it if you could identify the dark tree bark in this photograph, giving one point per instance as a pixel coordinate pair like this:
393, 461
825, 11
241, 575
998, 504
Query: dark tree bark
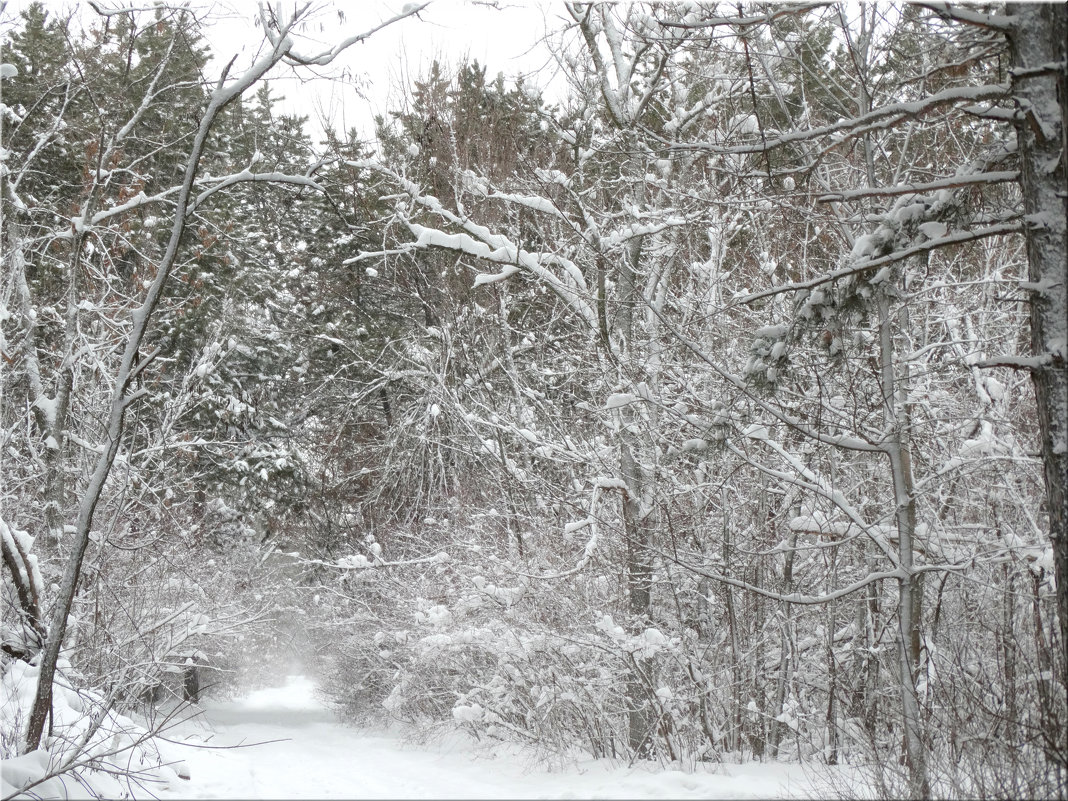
1038, 39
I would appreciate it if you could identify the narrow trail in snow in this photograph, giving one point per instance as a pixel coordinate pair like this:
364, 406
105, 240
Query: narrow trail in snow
305, 752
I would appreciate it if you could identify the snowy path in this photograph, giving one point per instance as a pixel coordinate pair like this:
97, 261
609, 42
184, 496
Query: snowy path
318, 757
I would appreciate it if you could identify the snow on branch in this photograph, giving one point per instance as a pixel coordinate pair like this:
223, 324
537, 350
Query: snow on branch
147, 101
15, 547
138, 200
361, 562
533, 202
637, 231
432, 237
140, 633
997, 22
583, 16
986, 178
1032, 363
42, 140
885, 117
115, 12
494, 278
956, 238
42, 404
590, 522
747, 21
838, 441
805, 478
479, 241
363, 255
247, 176
798, 598
327, 56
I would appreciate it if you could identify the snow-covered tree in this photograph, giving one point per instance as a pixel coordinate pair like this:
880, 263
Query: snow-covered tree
107, 199
790, 317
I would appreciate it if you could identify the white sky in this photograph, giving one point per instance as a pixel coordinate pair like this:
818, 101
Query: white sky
503, 35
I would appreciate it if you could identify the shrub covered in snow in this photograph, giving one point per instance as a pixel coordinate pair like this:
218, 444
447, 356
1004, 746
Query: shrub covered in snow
89, 750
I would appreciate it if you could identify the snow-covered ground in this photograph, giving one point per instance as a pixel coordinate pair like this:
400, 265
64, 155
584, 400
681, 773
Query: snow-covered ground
304, 752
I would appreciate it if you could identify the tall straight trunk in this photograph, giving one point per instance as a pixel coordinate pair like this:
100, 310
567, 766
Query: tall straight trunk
639, 521
1051, 727
1039, 51
641, 713
779, 729
832, 669
909, 590
737, 696
1007, 641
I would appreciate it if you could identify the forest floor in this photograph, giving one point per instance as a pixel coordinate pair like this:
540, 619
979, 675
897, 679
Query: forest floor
283, 742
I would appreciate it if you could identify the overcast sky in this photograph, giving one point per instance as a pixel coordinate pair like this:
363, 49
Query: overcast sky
503, 35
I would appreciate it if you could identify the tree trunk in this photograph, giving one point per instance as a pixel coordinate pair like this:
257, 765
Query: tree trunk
779, 729
1038, 40
736, 704
1007, 641
909, 590
641, 714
